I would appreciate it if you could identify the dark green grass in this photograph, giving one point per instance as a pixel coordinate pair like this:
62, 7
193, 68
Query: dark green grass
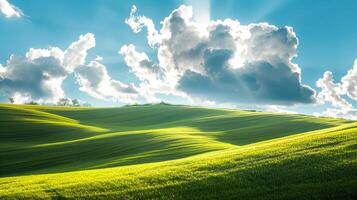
38, 139
314, 165
173, 152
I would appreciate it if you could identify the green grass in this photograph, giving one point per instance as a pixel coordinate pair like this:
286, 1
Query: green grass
174, 152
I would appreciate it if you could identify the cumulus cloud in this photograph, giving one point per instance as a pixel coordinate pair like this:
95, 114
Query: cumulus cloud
337, 94
95, 81
39, 75
349, 82
38, 79
9, 10
331, 92
138, 22
141, 65
76, 53
222, 61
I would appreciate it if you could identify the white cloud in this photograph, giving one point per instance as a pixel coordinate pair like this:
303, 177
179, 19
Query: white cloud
136, 23
95, 81
278, 109
349, 113
331, 92
336, 94
76, 53
9, 10
39, 75
221, 61
150, 74
38, 78
140, 64
349, 82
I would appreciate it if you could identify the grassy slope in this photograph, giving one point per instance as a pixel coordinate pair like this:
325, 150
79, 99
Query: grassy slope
242, 160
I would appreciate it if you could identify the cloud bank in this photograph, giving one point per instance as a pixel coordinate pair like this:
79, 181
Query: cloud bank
9, 10
219, 61
222, 61
38, 76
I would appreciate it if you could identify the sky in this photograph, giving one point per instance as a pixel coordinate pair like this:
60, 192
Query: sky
294, 56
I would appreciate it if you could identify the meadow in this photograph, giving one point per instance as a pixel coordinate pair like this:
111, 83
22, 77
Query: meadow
173, 152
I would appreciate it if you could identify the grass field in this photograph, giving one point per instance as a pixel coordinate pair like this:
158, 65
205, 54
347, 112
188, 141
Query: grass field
173, 152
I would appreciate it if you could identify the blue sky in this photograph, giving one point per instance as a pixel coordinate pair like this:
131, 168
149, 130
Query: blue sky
326, 30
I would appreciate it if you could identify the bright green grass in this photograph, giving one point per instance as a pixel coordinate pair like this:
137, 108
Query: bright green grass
174, 152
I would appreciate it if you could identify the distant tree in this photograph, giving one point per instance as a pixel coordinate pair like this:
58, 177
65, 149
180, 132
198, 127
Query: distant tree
75, 102
64, 102
163, 103
32, 103
12, 100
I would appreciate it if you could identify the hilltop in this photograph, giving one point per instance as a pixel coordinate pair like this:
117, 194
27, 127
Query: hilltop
169, 151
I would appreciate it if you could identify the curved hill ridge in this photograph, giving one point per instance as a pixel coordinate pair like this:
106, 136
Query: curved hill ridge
154, 151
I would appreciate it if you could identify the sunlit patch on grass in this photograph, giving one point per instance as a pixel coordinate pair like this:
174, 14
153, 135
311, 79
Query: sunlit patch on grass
181, 152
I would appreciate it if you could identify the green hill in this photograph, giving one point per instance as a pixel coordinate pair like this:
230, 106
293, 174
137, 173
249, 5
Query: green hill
174, 152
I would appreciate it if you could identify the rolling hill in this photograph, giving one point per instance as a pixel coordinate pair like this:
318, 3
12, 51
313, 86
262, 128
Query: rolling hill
173, 152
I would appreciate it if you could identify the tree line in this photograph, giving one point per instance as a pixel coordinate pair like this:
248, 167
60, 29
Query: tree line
60, 102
